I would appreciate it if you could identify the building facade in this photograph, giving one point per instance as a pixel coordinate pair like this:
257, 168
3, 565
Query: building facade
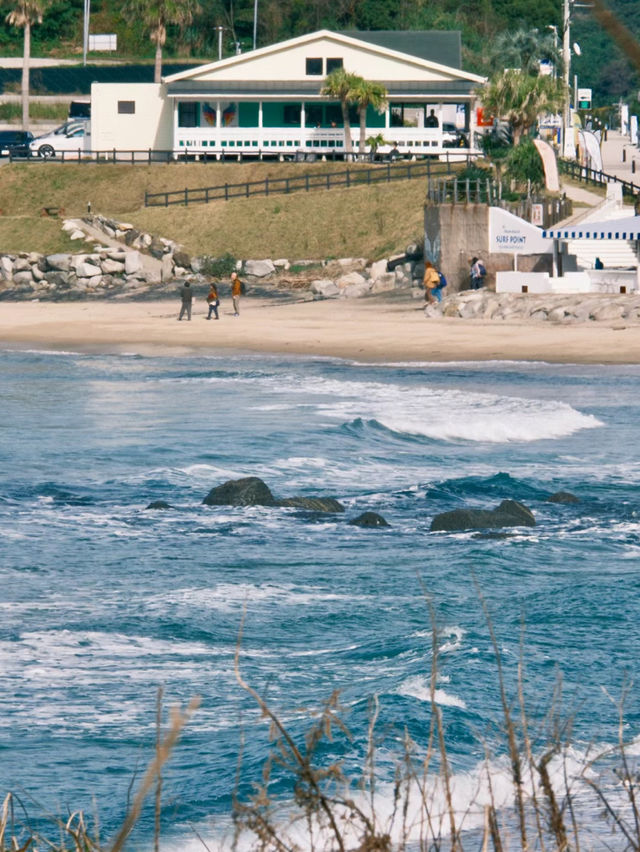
268, 102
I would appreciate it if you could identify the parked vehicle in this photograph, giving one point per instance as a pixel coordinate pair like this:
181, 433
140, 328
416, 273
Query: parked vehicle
15, 142
71, 137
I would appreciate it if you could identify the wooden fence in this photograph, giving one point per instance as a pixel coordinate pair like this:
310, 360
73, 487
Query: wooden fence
586, 175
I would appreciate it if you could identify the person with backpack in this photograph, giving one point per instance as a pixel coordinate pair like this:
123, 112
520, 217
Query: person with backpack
478, 273
431, 281
213, 301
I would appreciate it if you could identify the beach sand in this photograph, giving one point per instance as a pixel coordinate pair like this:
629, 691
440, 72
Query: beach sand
376, 329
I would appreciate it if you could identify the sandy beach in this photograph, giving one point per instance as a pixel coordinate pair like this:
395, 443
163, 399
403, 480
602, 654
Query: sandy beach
376, 330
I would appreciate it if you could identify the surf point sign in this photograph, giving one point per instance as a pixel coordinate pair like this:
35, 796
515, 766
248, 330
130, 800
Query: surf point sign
508, 234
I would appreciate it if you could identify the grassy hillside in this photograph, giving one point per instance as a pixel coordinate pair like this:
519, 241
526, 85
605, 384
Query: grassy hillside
364, 221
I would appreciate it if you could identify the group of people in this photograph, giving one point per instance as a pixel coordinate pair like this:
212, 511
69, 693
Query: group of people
435, 282
213, 299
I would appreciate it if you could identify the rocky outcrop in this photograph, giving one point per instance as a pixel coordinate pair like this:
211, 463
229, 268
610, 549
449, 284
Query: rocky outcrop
509, 513
370, 520
558, 308
250, 491
312, 504
159, 504
253, 491
563, 497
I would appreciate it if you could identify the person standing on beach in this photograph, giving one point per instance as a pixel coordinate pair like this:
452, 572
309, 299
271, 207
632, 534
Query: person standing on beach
236, 292
213, 301
431, 280
186, 294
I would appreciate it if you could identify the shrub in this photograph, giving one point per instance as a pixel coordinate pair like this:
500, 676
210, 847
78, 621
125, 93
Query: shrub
525, 164
219, 267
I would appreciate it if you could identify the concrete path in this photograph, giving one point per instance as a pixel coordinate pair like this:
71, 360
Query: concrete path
151, 265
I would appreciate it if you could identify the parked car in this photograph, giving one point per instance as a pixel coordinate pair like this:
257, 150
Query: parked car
15, 142
71, 137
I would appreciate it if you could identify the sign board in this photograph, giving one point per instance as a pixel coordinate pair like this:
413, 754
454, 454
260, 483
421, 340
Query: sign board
107, 41
508, 234
584, 98
537, 214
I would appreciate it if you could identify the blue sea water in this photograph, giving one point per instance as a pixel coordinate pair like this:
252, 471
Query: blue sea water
102, 602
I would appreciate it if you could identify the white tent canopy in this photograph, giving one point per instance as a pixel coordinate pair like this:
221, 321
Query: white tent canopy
612, 229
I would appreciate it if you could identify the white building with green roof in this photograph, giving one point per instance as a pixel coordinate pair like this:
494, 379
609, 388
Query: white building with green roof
267, 102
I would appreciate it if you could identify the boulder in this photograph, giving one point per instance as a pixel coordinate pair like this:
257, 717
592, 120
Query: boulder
77, 235
23, 278
112, 267
57, 278
249, 491
312, 504
370, 520
383, 283
159, 504
37, 273
84, 269
325, 287
349, 279
166, 269
131, 236
563, 497
281, 263
132, 262
157, 248
259, 268
21, 264
378, 269
6, 268
356, 291
58, 262
509, 513
181, 258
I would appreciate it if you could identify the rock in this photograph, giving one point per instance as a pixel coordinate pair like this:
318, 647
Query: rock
111, 267
378, 269
281, 263
250, 491
157, 248
349, 279
509, 513
57, 278
21, 264
181, 258
6, 268
563, 497
383, 283
23, 279
166, 270
58, 262
369, 519
132, 262
325, 287
77, 235
37, 273
131, 236
356, 291
259, 268
159, 504
84, 269
313, 504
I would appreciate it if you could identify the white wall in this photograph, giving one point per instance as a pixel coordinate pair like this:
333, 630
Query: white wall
150, 126
288, 63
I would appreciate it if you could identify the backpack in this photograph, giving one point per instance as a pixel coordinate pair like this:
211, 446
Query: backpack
482, 270
443, 280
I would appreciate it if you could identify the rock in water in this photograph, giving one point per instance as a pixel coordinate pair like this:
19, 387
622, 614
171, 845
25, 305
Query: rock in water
563, 497
313, 504
250, 491
369, 519
509, 513
159, 504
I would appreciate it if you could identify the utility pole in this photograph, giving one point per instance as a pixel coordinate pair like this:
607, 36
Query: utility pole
85, 31
568, 146
255, 24
220, 29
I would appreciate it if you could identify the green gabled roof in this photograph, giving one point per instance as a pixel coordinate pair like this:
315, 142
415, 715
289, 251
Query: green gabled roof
441, 46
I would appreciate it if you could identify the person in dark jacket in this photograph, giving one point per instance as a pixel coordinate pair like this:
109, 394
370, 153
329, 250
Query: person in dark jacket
186, 294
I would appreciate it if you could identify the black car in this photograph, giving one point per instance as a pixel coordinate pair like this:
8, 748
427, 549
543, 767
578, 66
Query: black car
15, 143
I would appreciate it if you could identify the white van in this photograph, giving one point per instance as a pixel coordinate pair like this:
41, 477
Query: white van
73, 137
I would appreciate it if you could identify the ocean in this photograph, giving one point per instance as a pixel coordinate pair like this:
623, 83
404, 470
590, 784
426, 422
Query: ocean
103, 601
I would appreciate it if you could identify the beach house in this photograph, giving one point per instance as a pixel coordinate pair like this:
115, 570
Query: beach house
268, 102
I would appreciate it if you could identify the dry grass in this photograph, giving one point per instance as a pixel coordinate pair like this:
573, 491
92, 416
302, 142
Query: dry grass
365, 221
32, 233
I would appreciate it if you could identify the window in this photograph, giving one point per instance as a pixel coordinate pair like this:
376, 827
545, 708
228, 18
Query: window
126, 107
314, 67
188, 114
334, 63
292, 114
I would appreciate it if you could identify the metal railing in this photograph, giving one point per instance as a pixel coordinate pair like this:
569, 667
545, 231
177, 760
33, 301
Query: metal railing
584, 174
348, 177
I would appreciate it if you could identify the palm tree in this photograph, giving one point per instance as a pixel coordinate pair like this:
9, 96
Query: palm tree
156, 16
524, 49
367, 93
25, 14
521, 98
339, 84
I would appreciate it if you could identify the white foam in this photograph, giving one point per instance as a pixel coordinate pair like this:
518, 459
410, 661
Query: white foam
419, 687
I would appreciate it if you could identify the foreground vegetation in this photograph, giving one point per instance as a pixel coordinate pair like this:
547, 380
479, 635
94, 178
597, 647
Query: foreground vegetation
531, 790
367, 221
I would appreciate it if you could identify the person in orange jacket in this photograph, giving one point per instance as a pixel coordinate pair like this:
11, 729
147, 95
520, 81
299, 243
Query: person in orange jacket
212, 299
236, 292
